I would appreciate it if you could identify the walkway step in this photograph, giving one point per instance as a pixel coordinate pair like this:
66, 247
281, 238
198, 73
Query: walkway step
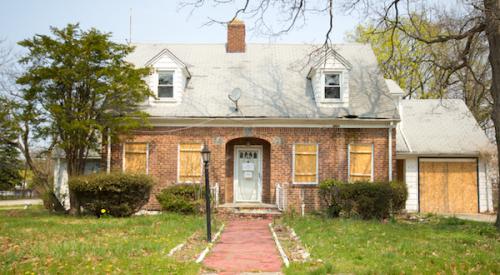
257, 210
245, 246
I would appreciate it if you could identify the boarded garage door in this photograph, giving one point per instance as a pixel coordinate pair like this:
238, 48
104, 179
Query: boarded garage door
448, 185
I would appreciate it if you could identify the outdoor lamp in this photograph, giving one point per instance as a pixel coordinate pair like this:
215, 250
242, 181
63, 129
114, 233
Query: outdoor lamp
205, 154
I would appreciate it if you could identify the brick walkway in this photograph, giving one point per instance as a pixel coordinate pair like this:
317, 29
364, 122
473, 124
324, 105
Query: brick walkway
245, 246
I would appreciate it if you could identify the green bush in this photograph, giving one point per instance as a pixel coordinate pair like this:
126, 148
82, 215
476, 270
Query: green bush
330, 191
367, 200
372, 200
118, 194
182, 198
400, 194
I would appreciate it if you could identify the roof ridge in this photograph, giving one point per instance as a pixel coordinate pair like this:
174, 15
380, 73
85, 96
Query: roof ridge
250, 43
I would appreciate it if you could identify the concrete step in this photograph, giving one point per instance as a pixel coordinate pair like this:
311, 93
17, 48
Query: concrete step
259, 210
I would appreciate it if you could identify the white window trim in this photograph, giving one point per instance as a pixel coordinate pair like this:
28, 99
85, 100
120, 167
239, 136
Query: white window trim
179, 163
317, 165
349, 160
157, 84
124, 163
341, 86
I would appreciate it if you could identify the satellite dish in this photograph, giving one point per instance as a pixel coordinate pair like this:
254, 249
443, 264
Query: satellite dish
234, 96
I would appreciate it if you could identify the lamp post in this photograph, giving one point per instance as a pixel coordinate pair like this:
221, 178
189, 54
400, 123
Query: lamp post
205, 153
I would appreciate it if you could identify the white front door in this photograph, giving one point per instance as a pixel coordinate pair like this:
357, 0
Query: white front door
248, 174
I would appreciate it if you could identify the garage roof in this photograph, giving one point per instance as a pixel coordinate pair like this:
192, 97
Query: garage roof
439, 127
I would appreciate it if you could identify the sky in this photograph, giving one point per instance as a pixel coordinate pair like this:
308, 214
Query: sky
152, 21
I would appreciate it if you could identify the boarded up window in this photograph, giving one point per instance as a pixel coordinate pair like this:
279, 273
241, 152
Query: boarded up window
136, 158
360, 162
305, 163
190, 163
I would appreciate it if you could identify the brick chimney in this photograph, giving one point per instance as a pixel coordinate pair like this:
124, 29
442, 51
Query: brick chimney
235, 37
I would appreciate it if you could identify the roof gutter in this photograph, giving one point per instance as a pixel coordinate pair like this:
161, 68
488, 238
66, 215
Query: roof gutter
437, 154
269, 121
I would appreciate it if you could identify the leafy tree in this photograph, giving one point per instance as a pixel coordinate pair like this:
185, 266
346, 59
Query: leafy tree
77, 87
410, 62
402, 61
10, 163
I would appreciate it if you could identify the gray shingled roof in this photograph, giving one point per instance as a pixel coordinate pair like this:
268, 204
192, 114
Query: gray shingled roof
439, 127
273, 80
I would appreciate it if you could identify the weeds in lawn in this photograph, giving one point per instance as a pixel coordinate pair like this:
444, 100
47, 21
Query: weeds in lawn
36, 241
430, 244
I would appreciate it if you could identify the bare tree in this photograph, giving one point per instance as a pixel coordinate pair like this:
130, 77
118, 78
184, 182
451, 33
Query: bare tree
426, 70
481, 17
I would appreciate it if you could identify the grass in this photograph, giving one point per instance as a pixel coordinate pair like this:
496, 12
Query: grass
438, 246
34, 241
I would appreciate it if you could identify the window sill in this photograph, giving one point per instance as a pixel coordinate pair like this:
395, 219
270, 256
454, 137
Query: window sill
332, 100
166, 100
305, 183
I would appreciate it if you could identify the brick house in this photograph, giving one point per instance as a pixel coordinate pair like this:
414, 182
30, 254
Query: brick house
274, 116
277, 118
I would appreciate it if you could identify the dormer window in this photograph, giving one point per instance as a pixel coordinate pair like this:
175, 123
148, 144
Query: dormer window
332, 85
165, 84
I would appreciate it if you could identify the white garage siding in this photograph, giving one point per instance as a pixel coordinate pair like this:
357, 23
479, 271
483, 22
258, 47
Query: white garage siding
61, 188
411, 177
485, 188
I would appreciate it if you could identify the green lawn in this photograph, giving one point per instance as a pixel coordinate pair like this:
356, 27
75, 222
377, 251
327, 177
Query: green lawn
440, 245
34, 241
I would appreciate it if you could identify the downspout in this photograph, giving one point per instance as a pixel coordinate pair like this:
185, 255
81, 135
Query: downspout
108, 154
303, 205
389, 131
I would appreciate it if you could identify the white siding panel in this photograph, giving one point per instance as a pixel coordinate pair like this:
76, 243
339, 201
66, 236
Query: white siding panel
411, 173
485, 190
61, 188
179, 79
318, 81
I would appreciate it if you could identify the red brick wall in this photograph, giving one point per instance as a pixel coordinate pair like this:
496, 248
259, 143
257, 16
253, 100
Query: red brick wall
279, 144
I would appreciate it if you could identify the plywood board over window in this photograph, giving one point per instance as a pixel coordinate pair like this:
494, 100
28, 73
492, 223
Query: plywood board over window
190, 163
135, 159
360, 162
305, 164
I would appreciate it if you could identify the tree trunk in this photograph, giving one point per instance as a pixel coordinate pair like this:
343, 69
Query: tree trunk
492, 17
76, 167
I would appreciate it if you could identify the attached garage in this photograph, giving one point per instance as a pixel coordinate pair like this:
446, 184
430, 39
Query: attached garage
448, 185
443, 156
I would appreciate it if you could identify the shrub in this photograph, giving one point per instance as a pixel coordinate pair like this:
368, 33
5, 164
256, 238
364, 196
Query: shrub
372, 200
365, 199
330, 191
182, 198
119, 194
45, 187
399, 196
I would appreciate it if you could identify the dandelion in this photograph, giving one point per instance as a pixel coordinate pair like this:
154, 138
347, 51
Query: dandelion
103, 211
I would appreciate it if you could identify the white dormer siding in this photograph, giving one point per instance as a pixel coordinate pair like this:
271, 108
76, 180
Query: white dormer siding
317, 76
168, 63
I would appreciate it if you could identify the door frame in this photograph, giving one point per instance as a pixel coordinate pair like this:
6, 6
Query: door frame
260, 151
